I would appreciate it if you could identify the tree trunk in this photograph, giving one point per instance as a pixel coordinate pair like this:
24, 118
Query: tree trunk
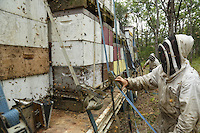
157, 26
146, 38
170, 17
190, 28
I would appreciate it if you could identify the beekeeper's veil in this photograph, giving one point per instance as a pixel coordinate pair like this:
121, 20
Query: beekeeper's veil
174, 51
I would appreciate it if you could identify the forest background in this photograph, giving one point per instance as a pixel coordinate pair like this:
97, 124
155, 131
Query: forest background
154, 20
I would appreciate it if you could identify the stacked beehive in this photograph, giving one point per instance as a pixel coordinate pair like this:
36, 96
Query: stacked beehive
24, 54
80, 32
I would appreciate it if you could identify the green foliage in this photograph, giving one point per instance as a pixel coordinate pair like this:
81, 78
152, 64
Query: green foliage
144, 52
184, 21
122, 13
195, 64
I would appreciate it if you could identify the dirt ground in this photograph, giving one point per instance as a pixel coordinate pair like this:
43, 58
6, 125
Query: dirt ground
147, 104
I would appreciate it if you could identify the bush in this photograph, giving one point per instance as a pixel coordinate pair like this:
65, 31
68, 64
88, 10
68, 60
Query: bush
195, 64
144, 52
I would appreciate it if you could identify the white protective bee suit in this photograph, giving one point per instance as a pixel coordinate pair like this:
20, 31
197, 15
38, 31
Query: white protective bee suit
152, 61
178, 86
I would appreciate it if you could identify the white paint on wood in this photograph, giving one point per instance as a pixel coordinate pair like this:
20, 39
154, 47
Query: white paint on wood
81, 53
19, 31
88, 78
119, 31
31, 9
122, 53
74, 50
129, 40
32, 87
109, 5
78, 27
109, 51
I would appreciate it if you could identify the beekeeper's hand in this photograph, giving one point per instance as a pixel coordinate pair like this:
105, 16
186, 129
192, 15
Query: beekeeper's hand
122, 81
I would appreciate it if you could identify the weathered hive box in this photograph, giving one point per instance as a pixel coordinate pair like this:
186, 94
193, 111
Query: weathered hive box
78, 24
118, 52
129, 38
106, 7
64, 83
81, 53
32, 9
119, 31
108, 4
24, 56
62, 5
81, 37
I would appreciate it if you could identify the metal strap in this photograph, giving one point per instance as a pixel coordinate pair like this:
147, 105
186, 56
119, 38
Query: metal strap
24, 119
92, 121
129, 92
112, 96
131, 103
115, 22
100, 19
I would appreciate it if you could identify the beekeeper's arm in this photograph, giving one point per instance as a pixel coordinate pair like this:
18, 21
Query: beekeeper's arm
189, 107
148, 81
146, 63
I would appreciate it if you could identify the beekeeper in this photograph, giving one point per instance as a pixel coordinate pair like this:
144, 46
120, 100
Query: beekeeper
152, 61
178, 84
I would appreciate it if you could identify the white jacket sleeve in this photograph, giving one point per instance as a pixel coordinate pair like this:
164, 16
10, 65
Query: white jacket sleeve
189, 106
148, 81
146, 63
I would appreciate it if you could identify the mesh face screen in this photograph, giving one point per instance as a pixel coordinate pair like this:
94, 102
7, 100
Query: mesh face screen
176, 50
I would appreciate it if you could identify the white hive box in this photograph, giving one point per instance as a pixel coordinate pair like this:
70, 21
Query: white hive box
23, 23
80, 53
78, 27
20, 31
30, 87
109, 51
31, 9
122, 53
109, 5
